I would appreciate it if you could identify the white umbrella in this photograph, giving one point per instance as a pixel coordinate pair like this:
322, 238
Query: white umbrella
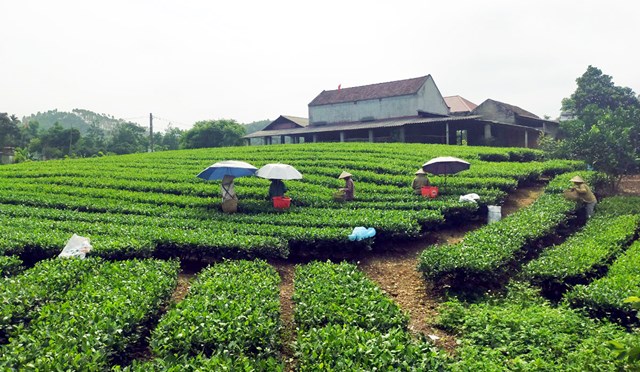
279, 172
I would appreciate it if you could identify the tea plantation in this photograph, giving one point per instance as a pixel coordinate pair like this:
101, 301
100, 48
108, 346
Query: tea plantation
147, 213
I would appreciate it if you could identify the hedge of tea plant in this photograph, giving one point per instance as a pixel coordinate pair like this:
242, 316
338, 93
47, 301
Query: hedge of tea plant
233, 307
562, 182
48, 281
584, 254
327, 293
524, 333
619, 205
340, 347
217, 362
606, 296
93, 324
153, 205
345, 322
10, 265
487, 252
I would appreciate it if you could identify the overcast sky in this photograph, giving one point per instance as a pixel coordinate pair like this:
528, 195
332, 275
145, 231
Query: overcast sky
193, 60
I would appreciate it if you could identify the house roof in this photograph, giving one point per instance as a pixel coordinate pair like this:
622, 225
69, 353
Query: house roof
303, 122
459, 104
517, 110
386, 123
372, 91
300, 122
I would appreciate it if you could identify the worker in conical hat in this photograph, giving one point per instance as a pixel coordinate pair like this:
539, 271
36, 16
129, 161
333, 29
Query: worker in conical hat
420, 181
349, 188
584, 194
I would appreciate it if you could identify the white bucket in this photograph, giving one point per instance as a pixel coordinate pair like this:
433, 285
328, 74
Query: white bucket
495, 213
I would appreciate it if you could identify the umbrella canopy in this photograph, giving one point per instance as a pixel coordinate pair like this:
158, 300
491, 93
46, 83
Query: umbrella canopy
279, 172
445, 165
232, 168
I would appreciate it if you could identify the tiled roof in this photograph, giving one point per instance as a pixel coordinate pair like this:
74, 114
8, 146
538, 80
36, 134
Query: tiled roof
387, 123
373, 91
516, 109
303, 122
458, 104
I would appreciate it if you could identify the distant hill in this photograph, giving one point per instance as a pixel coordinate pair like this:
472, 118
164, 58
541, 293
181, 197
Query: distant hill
78, 118
256, 126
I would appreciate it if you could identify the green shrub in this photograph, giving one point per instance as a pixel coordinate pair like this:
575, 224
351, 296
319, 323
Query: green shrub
340, 347
23, 295
486, 253
619, 205
233, 307
327, 293
502, 334
95, 322
583, 254
606, 296
10, 265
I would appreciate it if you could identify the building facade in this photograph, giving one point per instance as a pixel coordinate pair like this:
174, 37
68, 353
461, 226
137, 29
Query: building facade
411, 110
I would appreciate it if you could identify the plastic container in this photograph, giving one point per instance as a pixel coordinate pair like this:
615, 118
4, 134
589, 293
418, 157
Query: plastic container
494, 214
429, 191
281, 202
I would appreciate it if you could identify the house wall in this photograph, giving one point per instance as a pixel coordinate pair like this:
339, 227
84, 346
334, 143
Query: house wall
427, 99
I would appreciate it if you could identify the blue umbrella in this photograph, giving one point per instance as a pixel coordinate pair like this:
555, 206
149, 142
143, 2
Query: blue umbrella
232, 168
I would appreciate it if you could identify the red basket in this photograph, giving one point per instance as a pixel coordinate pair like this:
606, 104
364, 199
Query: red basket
281, 202
430, 191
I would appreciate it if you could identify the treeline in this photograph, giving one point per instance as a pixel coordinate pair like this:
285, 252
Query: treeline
33, 142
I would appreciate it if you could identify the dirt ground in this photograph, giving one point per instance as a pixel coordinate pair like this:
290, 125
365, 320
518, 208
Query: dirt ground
395, 271
630, 185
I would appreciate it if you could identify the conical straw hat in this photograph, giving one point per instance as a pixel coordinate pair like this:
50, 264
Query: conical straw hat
344, 175
577, 179
420, 171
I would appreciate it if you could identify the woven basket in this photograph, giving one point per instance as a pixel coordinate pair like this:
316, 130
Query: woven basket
339, 196
230, 206
571, 195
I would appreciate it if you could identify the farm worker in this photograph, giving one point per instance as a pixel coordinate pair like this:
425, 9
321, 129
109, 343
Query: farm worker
348, 186
420, 181
584, 194
228, 192
277, 188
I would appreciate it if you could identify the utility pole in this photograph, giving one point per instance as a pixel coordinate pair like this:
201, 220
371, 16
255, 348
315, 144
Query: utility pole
150, 132
70, 137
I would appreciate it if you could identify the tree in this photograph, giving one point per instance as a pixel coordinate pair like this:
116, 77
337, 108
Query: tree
128, 138
606, 131
58, 142
8, 130
171, 138
212, 133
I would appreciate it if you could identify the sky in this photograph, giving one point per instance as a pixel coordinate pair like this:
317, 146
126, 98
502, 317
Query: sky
192, 60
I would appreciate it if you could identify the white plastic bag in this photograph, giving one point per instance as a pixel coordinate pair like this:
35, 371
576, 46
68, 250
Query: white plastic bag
77, 246
473, 198
495, 213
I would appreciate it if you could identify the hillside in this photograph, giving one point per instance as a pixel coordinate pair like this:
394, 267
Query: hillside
78, 118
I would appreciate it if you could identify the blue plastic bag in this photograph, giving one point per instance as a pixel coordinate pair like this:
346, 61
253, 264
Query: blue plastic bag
360, 233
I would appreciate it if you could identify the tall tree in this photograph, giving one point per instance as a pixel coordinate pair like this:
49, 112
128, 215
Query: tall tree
9, 130
128, 138
213, 133
606, 130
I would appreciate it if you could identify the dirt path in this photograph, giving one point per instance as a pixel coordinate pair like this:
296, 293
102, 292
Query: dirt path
286, 269
630, 185
395, 271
